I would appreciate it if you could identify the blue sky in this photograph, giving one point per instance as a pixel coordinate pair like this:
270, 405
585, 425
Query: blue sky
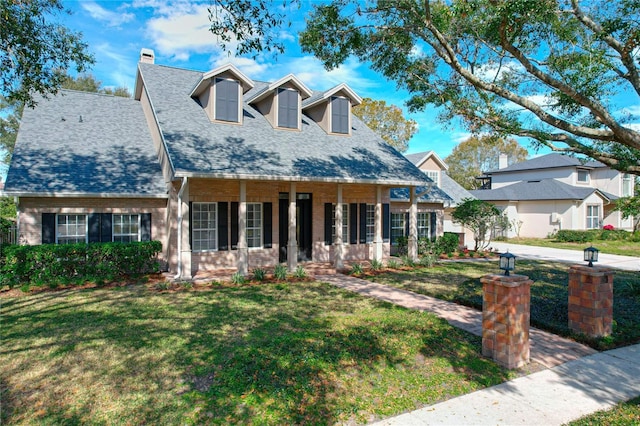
178, 33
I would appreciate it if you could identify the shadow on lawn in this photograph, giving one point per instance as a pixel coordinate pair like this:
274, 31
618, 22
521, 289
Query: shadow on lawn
240, 355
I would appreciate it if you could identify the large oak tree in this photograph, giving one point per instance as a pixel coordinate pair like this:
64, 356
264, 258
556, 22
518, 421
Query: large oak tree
388, 121
548, 70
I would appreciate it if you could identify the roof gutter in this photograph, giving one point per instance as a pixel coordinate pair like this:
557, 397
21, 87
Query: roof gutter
235, 176
78, 195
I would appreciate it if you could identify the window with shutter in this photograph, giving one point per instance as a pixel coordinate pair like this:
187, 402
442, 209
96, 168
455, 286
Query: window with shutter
339, 115
288, 108
227, 101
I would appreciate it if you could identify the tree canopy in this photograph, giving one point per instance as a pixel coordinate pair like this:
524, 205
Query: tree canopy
548, 70
387, 121
35, 51
480, 217
479, 154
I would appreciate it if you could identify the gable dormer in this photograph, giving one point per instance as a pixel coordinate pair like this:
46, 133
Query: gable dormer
332, 109
220, 93
280, 102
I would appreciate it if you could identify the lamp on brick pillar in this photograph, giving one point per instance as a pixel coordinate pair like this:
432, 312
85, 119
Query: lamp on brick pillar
591, 255
507, 262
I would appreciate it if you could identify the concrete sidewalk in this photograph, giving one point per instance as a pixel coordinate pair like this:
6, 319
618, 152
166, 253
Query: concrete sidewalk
550, 397
627, 263
577, 380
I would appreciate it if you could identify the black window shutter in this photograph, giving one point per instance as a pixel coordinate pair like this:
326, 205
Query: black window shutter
226, 100
106, 220
353, 223
223, 226
234, 225
288, 108
267, 224
363, 223
93, 220
434, 231
328, 223
145, 227
386, 223
340, 115
48, 228
190, 218
406, 224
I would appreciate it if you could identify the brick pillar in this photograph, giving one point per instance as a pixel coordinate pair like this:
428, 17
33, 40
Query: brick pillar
505, 319
591, 300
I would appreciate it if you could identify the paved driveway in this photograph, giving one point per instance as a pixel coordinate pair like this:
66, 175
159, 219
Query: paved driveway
627, 263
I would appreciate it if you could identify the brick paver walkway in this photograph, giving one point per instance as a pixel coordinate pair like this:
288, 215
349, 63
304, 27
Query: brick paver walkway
546, 349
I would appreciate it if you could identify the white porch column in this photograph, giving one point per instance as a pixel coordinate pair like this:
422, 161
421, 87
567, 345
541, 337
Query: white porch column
292, 247
184, 249
413, 226
338, 247
243, 251
377, 238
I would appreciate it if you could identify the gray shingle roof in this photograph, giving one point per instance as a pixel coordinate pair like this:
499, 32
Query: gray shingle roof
553, 160
426, 194
455, 191
85, 143
545, 189
255, 150
415, 158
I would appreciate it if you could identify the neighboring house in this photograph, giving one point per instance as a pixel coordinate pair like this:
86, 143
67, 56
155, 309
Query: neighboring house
450, 192
554, 191
225, 171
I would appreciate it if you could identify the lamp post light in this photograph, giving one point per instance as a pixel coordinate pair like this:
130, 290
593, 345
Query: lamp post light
507, 262
591, 255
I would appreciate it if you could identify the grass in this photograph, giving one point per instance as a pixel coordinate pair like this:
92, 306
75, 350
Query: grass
460, 282
626, 413
625, 248
278, 353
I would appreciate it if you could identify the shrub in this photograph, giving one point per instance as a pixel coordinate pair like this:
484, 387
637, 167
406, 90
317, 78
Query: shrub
259, 274
428, 260
356, 269
613, 234
426, 246
393, 264
52, 265
280, 272
300, 272
237, 278
403, 245
376, 265
447, 243
570, 236
407, 261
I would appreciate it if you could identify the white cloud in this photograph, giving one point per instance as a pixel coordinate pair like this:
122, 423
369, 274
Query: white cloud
181, 30
120, 63
311, 71
493, 71
633, 126
112, 19
630, 110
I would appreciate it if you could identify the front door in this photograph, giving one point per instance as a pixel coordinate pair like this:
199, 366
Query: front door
303, 226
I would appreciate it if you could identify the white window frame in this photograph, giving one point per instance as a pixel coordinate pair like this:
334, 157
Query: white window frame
424, 225
127, 236
586, 173
371, 222
591, 218
210, 243
345, 223
434, 175
394, 226
75, 236
254, 218
627, 181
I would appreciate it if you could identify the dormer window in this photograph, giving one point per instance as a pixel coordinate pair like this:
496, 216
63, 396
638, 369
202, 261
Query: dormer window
583, 176
288, 108
434, 175
227, 104
339, 115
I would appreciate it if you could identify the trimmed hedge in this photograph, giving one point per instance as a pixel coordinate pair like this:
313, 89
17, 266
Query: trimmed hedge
569, 236
52, 264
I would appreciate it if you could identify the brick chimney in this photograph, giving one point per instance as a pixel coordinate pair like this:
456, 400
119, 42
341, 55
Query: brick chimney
147, 56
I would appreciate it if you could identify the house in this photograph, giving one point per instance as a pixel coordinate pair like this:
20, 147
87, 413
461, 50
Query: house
449, 192
225, 171
552, 192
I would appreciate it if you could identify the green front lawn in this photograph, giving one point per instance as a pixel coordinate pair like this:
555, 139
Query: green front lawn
460, 282
287, 353
625, 248
626, 413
